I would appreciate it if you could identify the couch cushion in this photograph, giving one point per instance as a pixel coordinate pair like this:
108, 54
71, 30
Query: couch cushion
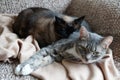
7, 72
116, 51
15, 6
103, 15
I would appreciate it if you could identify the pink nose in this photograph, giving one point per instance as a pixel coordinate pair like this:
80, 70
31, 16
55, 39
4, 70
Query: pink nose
88, 57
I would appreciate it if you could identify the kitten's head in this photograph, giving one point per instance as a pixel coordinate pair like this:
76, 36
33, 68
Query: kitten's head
92, 46
63, 28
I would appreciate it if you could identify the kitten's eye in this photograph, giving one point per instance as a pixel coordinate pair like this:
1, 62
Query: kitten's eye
95, 53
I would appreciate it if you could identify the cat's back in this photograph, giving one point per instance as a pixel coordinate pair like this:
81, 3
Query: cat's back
33, 14
42, 12
35, 10
29, 18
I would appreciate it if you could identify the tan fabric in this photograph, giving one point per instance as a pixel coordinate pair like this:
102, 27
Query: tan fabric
12, 46
103, 70
76, 71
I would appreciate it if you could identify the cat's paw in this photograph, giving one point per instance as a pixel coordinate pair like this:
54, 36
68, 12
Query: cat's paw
23, 69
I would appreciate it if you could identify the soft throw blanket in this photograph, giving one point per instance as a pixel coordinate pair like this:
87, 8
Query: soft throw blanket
13, 47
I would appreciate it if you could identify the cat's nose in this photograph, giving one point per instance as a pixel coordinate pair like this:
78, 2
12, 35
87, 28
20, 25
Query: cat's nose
88, 57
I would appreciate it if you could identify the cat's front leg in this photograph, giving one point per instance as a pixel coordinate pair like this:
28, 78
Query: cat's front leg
41, 58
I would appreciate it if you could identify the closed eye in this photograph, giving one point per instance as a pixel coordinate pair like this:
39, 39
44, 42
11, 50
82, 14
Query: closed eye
96, 53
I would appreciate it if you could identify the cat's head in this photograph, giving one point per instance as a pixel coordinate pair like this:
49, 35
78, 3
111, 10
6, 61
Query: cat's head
64, 28
92, 46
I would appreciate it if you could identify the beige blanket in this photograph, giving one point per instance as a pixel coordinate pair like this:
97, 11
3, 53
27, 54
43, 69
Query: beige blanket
13, 47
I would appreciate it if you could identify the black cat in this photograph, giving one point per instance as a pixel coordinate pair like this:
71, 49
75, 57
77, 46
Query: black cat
45, 25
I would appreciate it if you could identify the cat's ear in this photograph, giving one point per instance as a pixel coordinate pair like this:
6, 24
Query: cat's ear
59, 20
84, 34
79, 20
105, 43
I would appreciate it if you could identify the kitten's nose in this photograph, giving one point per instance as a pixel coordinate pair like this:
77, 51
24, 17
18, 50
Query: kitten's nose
88, 57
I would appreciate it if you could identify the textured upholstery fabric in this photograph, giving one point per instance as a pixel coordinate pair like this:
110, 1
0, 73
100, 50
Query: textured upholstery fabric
15, 6
6, 72
103, 16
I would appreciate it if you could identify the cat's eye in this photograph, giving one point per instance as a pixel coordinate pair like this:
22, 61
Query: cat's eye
95, 53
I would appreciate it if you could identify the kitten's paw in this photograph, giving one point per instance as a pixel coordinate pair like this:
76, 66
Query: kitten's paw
23, 69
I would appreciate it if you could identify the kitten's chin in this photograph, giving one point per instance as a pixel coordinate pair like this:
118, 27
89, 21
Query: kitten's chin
88, 61
92, 61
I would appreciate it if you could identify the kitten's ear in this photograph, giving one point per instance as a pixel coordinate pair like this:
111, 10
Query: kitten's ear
84, 34
59, 20
79, 20
105, 43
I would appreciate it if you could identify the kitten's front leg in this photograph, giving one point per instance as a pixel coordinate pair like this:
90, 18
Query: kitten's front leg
41, 58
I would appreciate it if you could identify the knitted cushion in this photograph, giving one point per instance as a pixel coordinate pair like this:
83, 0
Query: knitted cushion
7, 72
15, 6
103, 15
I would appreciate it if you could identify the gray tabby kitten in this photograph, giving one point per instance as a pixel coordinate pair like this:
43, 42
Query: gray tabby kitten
86, 47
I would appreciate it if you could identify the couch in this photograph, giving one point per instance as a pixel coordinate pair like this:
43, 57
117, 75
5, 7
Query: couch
102, 15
